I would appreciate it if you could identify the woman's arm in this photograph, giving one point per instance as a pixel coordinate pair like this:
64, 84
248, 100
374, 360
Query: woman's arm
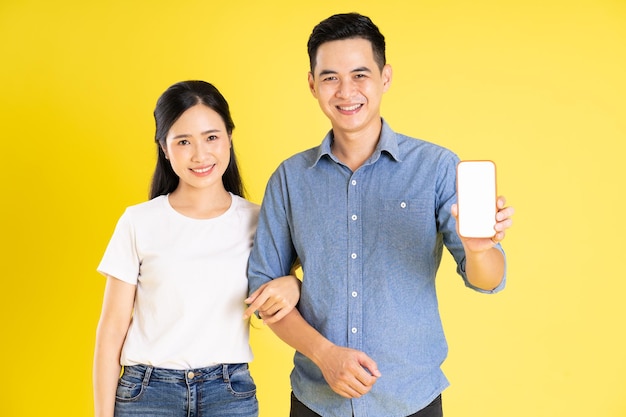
117, 310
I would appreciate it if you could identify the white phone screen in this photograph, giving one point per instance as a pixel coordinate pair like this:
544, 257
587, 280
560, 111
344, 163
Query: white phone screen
476, 198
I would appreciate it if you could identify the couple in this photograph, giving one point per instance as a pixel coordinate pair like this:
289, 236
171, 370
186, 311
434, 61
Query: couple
366, 214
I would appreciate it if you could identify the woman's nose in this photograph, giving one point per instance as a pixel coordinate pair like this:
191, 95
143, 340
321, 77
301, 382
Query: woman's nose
200, 151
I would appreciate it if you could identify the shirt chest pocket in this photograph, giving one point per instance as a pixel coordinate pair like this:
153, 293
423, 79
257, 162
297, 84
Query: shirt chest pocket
405, 221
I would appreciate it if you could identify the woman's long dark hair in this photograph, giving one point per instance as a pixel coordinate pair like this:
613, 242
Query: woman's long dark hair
170, 106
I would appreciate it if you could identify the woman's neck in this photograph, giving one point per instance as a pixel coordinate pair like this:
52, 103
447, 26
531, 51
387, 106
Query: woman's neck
200, 203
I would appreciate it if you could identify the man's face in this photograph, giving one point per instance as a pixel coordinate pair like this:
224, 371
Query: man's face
349, 85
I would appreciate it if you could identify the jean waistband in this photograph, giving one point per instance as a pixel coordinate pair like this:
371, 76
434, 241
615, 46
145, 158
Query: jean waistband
147, 372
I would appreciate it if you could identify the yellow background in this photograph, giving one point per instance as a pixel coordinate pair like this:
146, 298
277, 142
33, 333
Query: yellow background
538, 86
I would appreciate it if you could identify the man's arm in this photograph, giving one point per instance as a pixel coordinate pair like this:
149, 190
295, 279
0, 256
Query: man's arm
484, 263
350, 373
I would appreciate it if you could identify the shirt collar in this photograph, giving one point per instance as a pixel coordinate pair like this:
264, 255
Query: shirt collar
388, 142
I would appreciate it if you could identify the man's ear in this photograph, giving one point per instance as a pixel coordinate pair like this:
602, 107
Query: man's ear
387, 76
312, 84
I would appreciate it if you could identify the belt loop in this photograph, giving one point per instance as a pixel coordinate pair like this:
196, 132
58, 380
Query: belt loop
146, 376
225, 375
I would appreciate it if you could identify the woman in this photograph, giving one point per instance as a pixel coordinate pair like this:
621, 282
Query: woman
176, 276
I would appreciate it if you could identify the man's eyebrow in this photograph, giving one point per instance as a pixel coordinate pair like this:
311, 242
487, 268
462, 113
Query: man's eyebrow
327, 72
332, 72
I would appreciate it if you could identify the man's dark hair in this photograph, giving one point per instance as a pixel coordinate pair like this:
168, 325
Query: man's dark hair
347, 26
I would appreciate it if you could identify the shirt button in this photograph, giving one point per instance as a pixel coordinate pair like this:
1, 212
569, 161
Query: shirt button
190, 375
354, 217
353, 256
354, 294
403, 204
354, 330
353, 182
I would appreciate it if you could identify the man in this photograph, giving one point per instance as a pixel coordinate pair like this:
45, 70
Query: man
366, 214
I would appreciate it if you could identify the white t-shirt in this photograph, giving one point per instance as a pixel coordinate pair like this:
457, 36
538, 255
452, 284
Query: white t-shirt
191, 282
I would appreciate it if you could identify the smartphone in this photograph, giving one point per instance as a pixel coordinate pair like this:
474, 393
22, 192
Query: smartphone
476, 198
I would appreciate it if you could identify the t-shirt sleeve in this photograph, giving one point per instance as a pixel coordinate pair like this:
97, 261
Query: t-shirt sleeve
121, 259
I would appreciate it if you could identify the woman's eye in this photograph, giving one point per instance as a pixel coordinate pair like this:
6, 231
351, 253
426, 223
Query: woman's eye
183, 142
212, 137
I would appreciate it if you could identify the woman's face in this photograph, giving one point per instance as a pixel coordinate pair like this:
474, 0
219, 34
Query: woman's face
198, 147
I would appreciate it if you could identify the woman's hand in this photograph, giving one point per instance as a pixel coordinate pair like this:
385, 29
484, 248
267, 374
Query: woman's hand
274, 299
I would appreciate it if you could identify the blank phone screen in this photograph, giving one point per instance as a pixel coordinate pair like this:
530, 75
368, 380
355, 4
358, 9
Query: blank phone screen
476, 198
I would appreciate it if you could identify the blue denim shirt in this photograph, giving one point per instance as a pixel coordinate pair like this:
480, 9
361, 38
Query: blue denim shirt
370, 243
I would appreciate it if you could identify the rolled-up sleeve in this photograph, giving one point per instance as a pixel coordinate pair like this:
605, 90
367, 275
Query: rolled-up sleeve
273, 253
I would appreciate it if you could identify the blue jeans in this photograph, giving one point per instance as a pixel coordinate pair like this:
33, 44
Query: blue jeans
216, 391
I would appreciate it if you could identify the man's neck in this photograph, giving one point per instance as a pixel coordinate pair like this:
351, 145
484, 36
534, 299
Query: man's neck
354, 148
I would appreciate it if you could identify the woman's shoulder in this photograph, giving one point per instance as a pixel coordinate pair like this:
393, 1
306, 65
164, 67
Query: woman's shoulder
153, 206
241, 203
245, 208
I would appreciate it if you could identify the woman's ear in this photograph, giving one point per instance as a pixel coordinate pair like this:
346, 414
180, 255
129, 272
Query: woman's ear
164, 150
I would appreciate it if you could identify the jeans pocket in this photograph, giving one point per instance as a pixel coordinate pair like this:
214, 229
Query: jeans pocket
129, 387
240, 383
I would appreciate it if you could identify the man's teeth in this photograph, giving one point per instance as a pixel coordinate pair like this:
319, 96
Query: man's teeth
356, 106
